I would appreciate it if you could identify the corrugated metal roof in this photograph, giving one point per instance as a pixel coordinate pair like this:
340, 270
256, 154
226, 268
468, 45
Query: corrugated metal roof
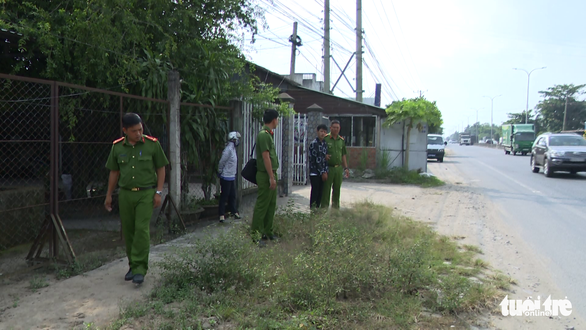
305, 97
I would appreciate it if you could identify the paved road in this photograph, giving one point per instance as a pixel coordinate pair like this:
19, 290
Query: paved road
548, 213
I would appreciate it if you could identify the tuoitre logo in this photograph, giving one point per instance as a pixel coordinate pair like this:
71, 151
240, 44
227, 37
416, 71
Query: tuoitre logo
529, 307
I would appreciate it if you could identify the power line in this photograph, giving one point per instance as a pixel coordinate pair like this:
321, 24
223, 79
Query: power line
388, 92
273, 40
396, 41
369, 49
403, 35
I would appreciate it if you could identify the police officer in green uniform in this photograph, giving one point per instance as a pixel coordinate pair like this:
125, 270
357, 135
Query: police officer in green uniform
266, 178
338, 167
137, 163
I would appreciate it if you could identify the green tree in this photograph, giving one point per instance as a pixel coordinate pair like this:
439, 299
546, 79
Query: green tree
414, 112
131, 45
551, 108
519, 118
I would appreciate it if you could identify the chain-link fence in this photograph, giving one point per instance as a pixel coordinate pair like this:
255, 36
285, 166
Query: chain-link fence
54, 143
25, 119
89, 122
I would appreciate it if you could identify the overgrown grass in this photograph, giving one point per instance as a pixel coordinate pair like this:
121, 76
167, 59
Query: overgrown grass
361, 268
402, 175
37, 282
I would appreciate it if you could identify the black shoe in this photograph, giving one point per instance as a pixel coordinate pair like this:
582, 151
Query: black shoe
138, 279
274, 237
129, 276
237, 216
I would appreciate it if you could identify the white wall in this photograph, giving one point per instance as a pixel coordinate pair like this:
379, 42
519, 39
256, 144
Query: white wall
390, 141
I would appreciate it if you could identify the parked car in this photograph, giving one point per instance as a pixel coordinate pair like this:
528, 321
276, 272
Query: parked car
558, 152
435, 147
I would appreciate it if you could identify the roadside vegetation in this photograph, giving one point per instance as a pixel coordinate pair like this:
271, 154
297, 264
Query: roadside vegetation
361, 268
400, 175
384, 173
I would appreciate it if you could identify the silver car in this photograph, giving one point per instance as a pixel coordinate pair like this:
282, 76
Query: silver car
558, 152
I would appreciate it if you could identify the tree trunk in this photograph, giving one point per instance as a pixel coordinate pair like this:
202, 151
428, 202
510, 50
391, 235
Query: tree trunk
409, 127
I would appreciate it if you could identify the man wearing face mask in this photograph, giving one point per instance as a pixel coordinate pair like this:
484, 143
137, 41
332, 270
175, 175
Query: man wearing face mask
227, 169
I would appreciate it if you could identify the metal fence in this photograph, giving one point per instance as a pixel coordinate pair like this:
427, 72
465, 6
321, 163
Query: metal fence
25, 148
251, 128
54, 143
300, 156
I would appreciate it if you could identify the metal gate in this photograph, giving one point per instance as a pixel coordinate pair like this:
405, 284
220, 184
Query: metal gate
300, 171
251, 128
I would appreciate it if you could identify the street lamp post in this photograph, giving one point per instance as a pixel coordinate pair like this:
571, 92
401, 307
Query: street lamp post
528, 77
491, 102
477, 124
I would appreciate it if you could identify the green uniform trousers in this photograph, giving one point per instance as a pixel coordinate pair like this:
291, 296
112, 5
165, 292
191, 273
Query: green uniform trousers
334, 181
266, 204
136, 209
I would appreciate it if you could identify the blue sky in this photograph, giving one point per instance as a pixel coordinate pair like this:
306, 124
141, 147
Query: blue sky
455, 51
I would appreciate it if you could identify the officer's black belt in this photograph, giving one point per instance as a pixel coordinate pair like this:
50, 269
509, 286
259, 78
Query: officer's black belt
138, 188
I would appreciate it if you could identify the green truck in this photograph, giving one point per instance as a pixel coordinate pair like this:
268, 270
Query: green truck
518, 138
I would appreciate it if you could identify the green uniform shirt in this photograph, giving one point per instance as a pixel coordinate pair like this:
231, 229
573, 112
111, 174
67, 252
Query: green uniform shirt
265, 142
336, 148
137, 163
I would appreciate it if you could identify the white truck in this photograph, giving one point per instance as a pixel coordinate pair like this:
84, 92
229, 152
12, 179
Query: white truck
465, 139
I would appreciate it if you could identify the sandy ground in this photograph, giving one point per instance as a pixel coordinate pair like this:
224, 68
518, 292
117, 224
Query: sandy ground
457, 210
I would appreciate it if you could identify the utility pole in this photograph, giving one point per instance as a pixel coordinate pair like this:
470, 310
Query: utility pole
565, 112
293, 40
491, 103
359, 50
327, 47
420, 92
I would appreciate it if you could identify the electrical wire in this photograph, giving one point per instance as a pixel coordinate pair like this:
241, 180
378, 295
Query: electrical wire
403, 35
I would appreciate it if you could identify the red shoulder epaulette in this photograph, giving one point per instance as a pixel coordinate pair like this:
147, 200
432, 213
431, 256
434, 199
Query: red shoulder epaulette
118, 140
341, 138
154, 139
